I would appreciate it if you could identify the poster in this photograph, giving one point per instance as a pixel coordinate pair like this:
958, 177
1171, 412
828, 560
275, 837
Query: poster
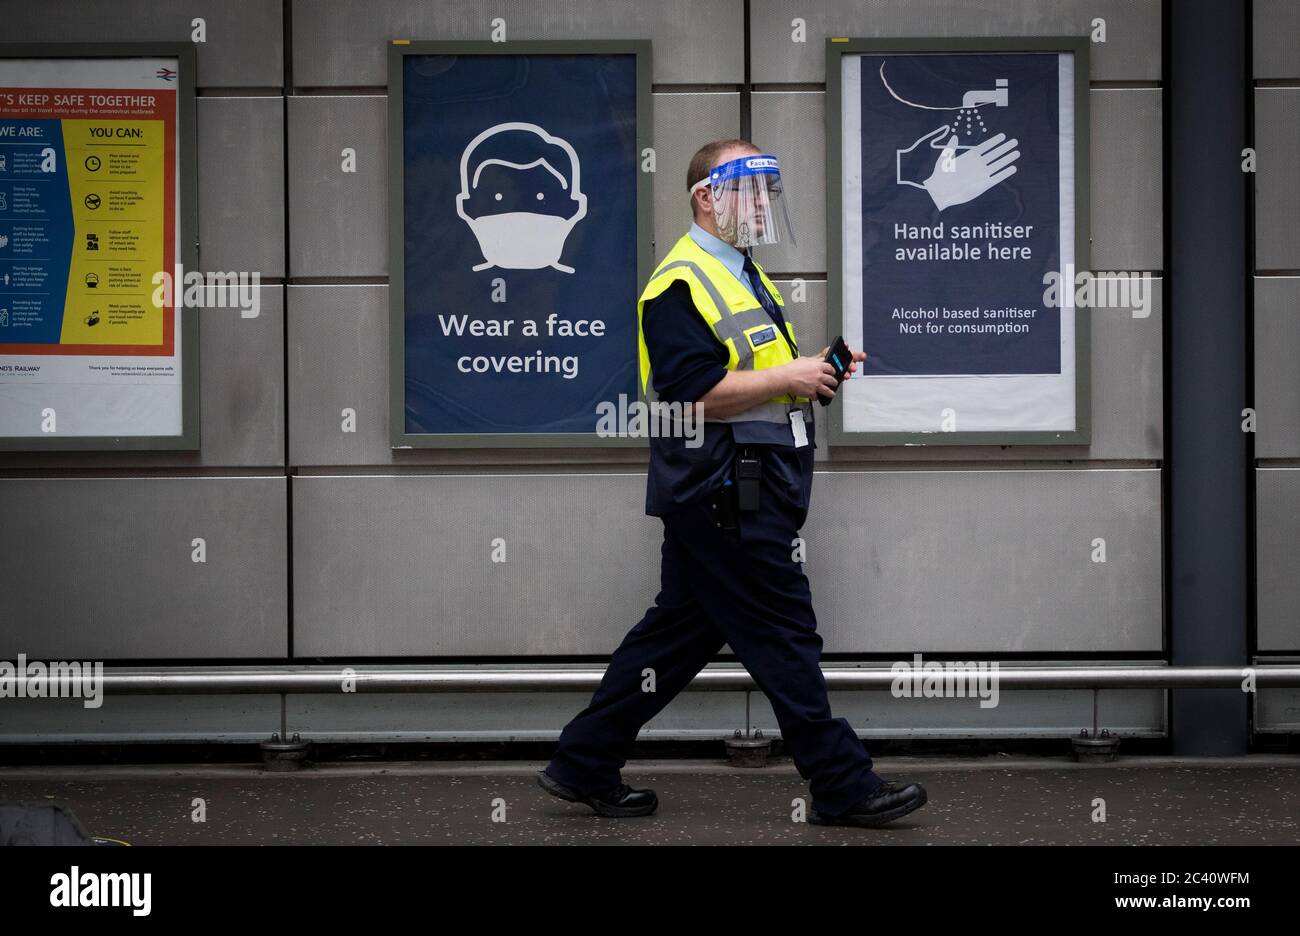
958, 211
89, 215
521, 198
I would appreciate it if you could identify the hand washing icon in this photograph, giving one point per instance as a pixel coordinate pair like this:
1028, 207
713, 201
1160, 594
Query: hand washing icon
511, 167
955, 179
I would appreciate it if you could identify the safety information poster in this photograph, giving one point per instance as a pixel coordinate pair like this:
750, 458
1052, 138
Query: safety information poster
958, 195
88, 219
520, 181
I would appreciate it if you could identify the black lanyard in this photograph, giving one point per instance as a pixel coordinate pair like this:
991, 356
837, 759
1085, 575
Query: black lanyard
768, 303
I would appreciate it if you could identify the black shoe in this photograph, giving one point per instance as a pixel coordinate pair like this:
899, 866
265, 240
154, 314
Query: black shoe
885, 804
622, 800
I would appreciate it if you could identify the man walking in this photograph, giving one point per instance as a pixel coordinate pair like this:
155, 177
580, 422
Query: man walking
713, 334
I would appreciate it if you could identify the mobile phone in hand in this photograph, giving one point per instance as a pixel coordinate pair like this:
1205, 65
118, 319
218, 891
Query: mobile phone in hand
838, 357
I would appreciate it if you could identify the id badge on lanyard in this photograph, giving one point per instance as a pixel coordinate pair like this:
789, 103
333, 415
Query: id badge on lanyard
798, 428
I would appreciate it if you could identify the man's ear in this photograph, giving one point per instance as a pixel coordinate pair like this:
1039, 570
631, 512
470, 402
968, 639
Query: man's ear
698, 203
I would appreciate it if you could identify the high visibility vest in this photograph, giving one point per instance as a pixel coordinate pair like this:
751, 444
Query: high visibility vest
752, 339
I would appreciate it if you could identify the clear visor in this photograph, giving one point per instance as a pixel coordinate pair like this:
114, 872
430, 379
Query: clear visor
749, 205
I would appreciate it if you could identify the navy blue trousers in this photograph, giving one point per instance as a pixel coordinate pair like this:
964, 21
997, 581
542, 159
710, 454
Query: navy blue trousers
744, 590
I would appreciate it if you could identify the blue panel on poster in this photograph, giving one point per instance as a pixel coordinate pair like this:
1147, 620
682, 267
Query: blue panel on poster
961, 213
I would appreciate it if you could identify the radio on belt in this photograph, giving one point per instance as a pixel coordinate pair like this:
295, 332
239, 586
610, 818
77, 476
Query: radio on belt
749, 473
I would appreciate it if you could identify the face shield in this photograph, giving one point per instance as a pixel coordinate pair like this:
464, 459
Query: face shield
748, 204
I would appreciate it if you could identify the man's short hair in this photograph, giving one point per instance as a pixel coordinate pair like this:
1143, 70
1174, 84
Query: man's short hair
708, 156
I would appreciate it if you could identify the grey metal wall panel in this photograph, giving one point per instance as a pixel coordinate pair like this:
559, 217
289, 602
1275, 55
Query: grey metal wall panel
340, 43
124, 718
1277, 38
716, 715
1131, 50
683, 123
986, 561
100, 568
241, 371
402, 565
1128, 380
1277, 517
1277, 179
806, 316
338, 359
1126, 206
244, 45
1127, 212
241, 184
792, 124
456, 717
495, 716
338, 220
1277, 371
979, 561
1277, 711
1037, 713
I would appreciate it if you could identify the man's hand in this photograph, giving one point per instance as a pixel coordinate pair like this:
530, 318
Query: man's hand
853, 366
739, 390
808, 379
808, 376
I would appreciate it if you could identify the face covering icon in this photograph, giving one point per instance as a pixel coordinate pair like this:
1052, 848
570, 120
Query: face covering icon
521, 195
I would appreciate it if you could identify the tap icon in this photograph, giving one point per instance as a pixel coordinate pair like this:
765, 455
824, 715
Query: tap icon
968, 121
997, 97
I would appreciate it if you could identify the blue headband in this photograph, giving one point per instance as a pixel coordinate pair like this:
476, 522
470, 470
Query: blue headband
745, 166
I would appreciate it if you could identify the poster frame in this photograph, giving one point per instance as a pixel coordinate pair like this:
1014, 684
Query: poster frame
187, 229
398, 50
836, 48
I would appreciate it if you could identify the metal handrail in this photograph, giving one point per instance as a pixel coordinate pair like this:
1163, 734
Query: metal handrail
524, 678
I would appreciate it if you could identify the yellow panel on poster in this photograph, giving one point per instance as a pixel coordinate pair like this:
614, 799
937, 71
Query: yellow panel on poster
117, 189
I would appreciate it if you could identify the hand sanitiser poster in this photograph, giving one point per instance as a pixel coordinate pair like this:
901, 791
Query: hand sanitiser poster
961, 177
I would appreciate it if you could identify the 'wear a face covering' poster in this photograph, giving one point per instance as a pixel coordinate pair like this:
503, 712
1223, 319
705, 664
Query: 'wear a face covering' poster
958, 197
88, 217
520, 231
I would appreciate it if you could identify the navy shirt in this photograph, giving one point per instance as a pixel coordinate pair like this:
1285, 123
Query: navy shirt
686, 358
686, 361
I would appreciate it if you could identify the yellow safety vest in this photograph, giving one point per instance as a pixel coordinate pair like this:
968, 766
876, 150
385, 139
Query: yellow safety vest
739, 321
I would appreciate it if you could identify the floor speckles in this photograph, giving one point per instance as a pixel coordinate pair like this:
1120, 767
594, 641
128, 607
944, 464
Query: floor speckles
1189, 801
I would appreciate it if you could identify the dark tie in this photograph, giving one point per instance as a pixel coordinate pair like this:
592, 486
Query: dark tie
760, 290
769, 304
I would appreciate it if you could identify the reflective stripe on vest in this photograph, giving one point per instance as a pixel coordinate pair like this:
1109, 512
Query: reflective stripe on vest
687, 261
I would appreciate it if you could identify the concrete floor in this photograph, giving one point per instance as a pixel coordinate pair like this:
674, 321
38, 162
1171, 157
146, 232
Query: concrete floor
972, 801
